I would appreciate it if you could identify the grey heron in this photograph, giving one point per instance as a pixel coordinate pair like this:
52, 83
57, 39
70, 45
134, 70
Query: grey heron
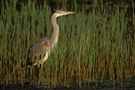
38, 53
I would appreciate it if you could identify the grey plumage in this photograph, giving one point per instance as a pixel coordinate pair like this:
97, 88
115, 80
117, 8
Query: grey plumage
38, 53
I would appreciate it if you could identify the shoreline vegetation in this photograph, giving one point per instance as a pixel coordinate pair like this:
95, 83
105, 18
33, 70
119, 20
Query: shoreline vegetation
97, 44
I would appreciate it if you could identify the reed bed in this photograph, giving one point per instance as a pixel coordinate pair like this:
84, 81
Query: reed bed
96, 45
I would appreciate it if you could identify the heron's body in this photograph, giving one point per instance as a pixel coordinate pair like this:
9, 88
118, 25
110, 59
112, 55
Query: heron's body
38, 53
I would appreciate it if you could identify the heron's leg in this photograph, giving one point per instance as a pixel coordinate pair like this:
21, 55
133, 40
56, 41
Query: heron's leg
41, 70
41, 66
41, 74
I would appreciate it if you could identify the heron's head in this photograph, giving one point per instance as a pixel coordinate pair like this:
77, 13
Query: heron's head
61, 13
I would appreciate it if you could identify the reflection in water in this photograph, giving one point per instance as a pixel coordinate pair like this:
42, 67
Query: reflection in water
106, 85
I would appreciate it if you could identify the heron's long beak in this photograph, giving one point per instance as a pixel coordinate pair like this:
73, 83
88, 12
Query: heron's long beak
68, 12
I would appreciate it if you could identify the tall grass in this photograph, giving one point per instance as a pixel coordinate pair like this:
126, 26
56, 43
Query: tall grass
94, 45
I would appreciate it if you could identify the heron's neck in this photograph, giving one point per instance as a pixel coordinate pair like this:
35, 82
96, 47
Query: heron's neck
55, 33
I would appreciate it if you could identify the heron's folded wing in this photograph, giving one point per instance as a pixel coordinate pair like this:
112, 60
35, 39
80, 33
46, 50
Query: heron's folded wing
38, 51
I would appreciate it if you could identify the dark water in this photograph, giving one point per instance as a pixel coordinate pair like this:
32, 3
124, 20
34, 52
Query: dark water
106, 85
